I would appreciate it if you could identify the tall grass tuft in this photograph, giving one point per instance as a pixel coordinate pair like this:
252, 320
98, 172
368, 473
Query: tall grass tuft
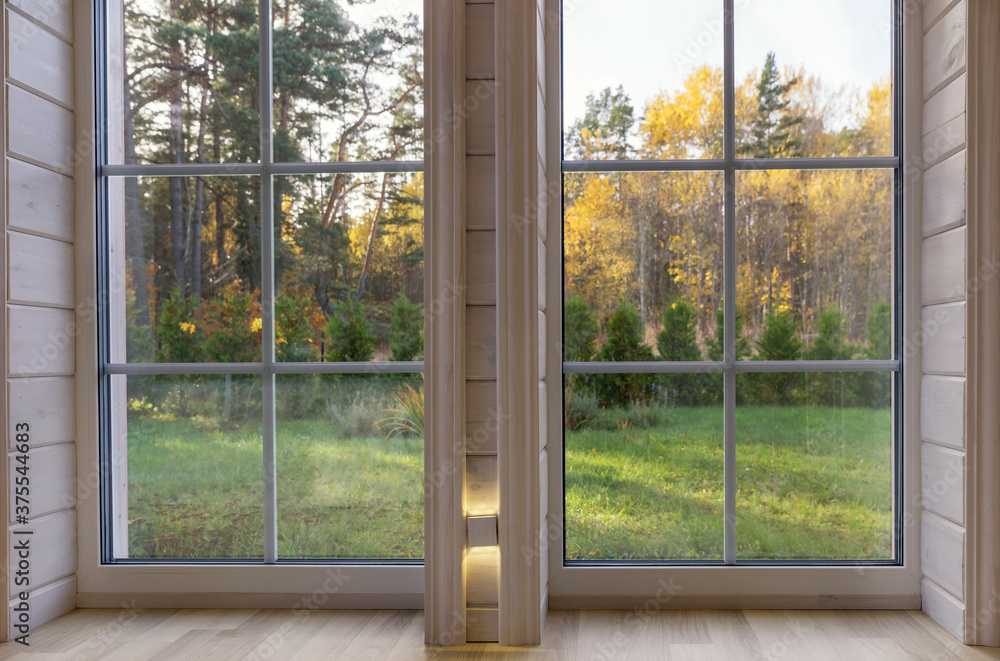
407, 416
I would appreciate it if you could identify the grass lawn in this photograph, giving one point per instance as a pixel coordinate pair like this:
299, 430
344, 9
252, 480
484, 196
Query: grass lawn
812, 483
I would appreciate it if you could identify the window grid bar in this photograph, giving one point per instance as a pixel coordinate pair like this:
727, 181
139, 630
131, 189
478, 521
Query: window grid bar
267, 285
150, 369
257, 169
741, 164
729, 284
738, 367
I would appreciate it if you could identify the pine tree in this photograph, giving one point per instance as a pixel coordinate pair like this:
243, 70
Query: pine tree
772, 129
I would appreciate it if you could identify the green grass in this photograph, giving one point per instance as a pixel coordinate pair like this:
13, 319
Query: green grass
812, 482
195, 492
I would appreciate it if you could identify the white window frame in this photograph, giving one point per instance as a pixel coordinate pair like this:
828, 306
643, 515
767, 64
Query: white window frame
310, 585
790, 586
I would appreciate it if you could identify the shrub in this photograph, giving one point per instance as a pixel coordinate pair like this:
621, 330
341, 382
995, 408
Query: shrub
624, 343
877, 389
830, 388
579, 331
778, 341
178, 331
295, 335
351, 337
407, 336
678, 342
716, 351
232, 325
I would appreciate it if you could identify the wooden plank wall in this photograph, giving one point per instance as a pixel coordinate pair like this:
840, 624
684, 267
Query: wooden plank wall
943, 297
40, 299
481, 415
543, 380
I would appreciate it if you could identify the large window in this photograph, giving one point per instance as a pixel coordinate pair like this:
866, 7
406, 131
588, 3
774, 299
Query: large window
262, 266
732, 212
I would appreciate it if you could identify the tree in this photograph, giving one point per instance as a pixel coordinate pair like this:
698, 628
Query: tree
778, 341
407, 336
603, 131
677, 341
351, 337
624, 343
772, 128
580, 331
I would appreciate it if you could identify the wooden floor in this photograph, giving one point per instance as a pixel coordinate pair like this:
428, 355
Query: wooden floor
176, 635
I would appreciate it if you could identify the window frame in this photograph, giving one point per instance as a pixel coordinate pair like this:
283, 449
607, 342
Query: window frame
781, 583
102, 579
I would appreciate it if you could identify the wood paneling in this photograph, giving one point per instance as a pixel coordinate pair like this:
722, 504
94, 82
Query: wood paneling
543, 414
52, 547
944, 50
57, 15
39, 130
480, 113
944, 195
481, 343
944, 106
482, 625
481, 268
482, 576
542, 339
942, 553
481, 486
542, 279
52, 475
39, 201
41, 341
942, 410
942, 277
480, 194
943, 327
479, 43
943, 608
47, 603
934, 9
481, 417
40, 270
942, 482
39, 60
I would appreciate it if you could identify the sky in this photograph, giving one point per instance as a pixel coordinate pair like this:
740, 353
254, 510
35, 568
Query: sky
649, 45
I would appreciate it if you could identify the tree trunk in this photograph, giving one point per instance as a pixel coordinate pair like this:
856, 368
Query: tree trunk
372, 236
176, 197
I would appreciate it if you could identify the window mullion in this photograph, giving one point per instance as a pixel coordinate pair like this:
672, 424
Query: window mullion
729, 277
267, 284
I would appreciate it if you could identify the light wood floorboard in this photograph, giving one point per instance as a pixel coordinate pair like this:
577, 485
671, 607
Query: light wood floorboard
668, 635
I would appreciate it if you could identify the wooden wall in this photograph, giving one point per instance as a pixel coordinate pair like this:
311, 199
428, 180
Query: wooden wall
40, 299
943, 281
481, 413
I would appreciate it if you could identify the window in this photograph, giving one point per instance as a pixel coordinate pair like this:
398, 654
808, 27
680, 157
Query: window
731, 235
262, 267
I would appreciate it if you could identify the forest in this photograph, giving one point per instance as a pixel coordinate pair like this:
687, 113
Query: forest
348, 247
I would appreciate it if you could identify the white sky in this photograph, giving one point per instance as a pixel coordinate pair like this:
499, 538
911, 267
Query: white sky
649, 45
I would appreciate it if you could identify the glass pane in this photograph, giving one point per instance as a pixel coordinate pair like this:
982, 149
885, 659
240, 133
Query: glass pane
643, 264
649, 88
191, 269
350, 452
814, 264
348, 81
644, 469
194, 458
191, 82
350, 268
814, 466
814, 78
